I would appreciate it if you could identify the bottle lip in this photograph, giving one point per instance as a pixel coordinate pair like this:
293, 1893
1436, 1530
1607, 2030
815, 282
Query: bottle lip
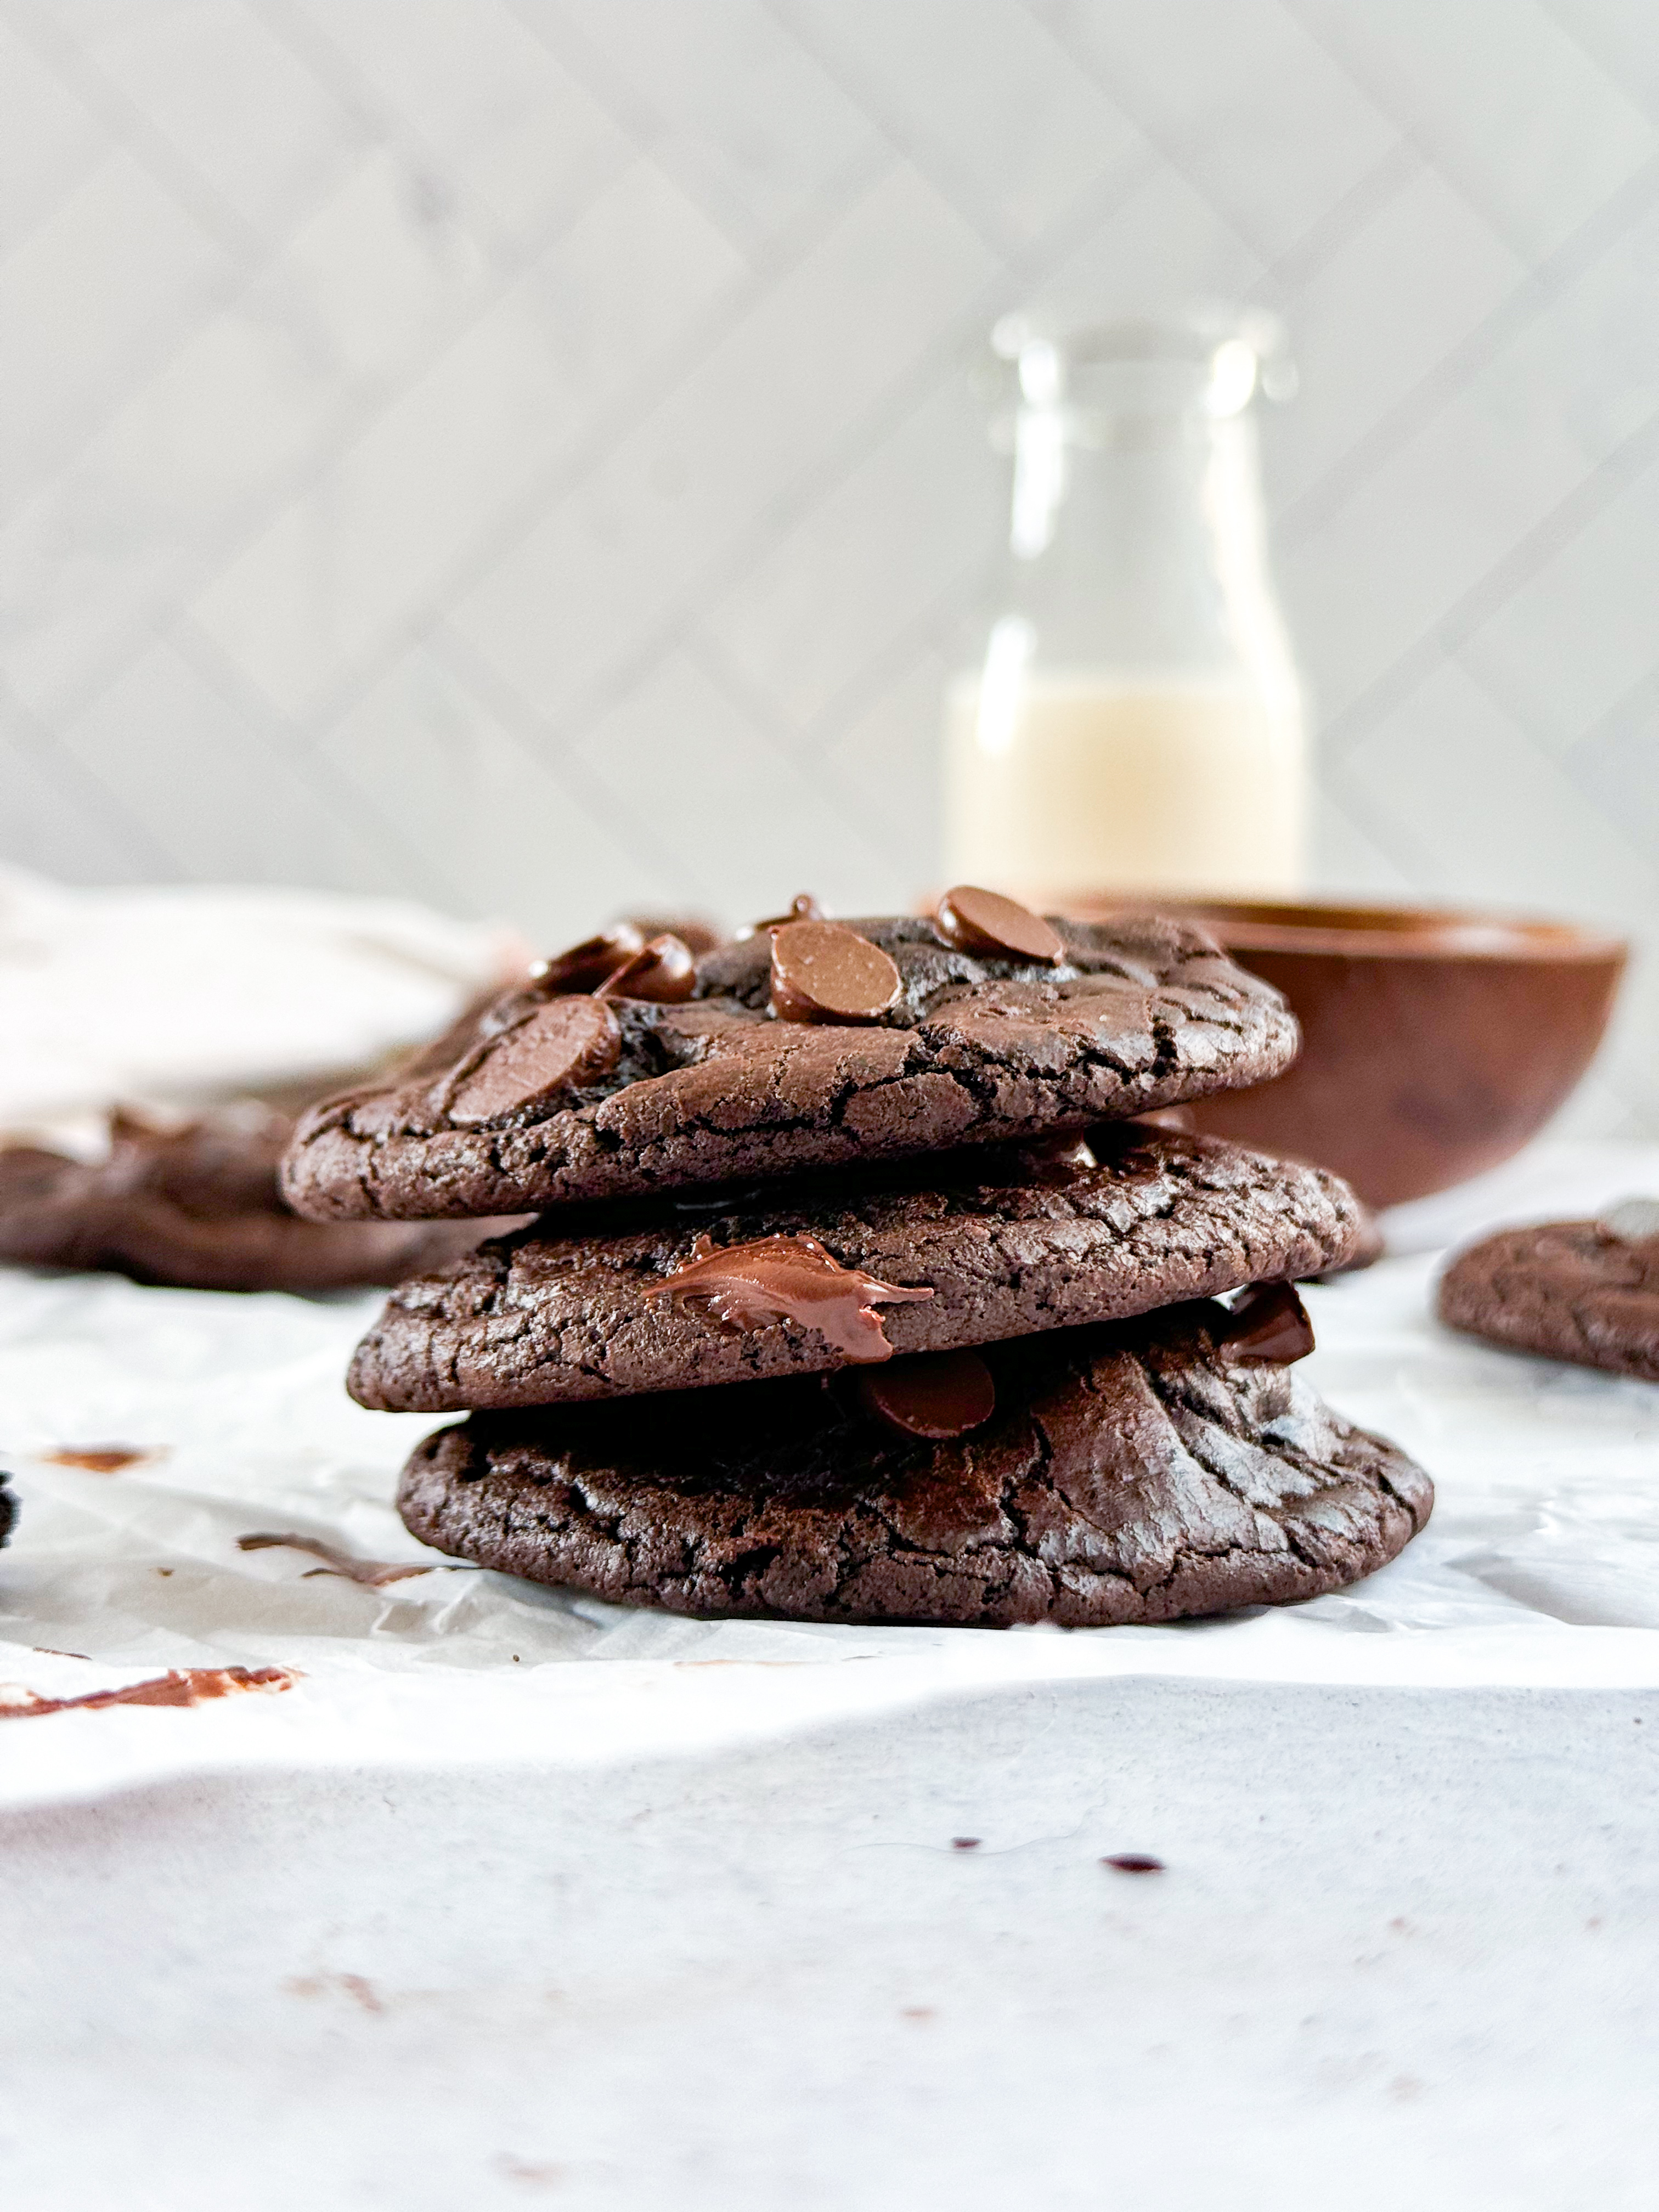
1210, 359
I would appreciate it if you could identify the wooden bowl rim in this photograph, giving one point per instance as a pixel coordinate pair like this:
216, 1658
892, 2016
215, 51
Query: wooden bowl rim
1380, 932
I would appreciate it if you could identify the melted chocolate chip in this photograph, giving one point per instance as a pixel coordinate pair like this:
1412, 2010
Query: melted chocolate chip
1134, 1863
748, 1287
935, 1394
664, 971
975, 920
582, 967
823, 971
1268, 1327
802, 908
568, 1043
1056, 1159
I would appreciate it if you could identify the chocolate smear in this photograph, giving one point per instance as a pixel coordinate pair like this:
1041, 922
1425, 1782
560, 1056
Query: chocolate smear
935, 1394
583, 967
1134, 1863
97, 1458
802, 908
664, 971
373, 1574
823, 971
186, 1686
976, 921
746, 1286
565, 1044
1268, 1327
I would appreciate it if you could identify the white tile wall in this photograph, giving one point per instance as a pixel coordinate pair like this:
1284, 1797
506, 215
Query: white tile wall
520, 452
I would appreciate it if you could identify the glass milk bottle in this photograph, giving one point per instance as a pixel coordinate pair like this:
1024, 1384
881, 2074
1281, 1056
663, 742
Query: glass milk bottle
1137, 723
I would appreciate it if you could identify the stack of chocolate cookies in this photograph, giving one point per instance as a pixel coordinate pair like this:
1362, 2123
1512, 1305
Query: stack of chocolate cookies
861, 1287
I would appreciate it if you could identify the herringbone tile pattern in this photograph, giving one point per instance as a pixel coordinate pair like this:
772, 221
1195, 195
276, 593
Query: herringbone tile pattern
523, 455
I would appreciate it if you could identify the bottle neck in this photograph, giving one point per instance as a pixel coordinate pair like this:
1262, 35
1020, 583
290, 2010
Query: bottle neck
1137, 545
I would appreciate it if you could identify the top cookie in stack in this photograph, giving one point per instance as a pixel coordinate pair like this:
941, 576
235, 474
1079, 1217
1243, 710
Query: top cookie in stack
1073, 1429
624, 1068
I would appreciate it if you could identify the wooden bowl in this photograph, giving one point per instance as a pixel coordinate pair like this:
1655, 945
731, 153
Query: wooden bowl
1435, 1041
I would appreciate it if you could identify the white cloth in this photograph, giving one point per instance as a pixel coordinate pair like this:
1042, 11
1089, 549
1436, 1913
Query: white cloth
175, 995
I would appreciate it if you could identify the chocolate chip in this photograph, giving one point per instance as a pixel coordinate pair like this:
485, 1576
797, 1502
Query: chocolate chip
802, 908
581, 966
934, 1395
568, 1043
664, 971
1633, 1220
975, 920
745, 1286
1268, 1327
823, 971
1134, 1863
697, 935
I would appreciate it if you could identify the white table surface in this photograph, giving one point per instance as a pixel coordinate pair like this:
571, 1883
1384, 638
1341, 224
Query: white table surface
512, 1899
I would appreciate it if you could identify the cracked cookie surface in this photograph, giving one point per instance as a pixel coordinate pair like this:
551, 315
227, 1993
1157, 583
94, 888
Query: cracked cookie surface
1568, 1289
1139, 1013
1130, 1472
573, 1308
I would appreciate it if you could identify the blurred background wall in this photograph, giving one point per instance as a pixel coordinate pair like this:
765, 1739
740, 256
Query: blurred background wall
523, 456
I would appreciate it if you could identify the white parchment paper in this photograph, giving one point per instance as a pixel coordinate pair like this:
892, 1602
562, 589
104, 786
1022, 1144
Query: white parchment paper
1541, 1565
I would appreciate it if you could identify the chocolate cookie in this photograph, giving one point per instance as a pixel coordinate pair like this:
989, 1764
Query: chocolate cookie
1135, 1471
1583, 1291
198, 1207
989, 1245
809, 1044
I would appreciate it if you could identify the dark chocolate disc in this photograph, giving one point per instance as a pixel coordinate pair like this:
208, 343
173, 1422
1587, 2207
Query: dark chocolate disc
564, 1045
822, 971
1268, 1327
934, 1393
581, 966
976, 921
664, 971
802, 908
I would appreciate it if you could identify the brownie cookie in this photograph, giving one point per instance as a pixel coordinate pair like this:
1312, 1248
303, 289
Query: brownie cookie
1583, 1291
809, 1044
198, 1207
997, 1243
1135, 1471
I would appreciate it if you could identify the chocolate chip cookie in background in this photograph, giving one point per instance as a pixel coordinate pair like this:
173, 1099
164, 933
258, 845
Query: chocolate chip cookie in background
990, 1242
1140, 1471
621, 1070
196, 1207
1586, 1292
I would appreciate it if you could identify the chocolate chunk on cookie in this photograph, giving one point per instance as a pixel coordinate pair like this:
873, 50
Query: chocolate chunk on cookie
1586, 1292
818, 1061
1130, 1473
198, 1207
988, 1244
